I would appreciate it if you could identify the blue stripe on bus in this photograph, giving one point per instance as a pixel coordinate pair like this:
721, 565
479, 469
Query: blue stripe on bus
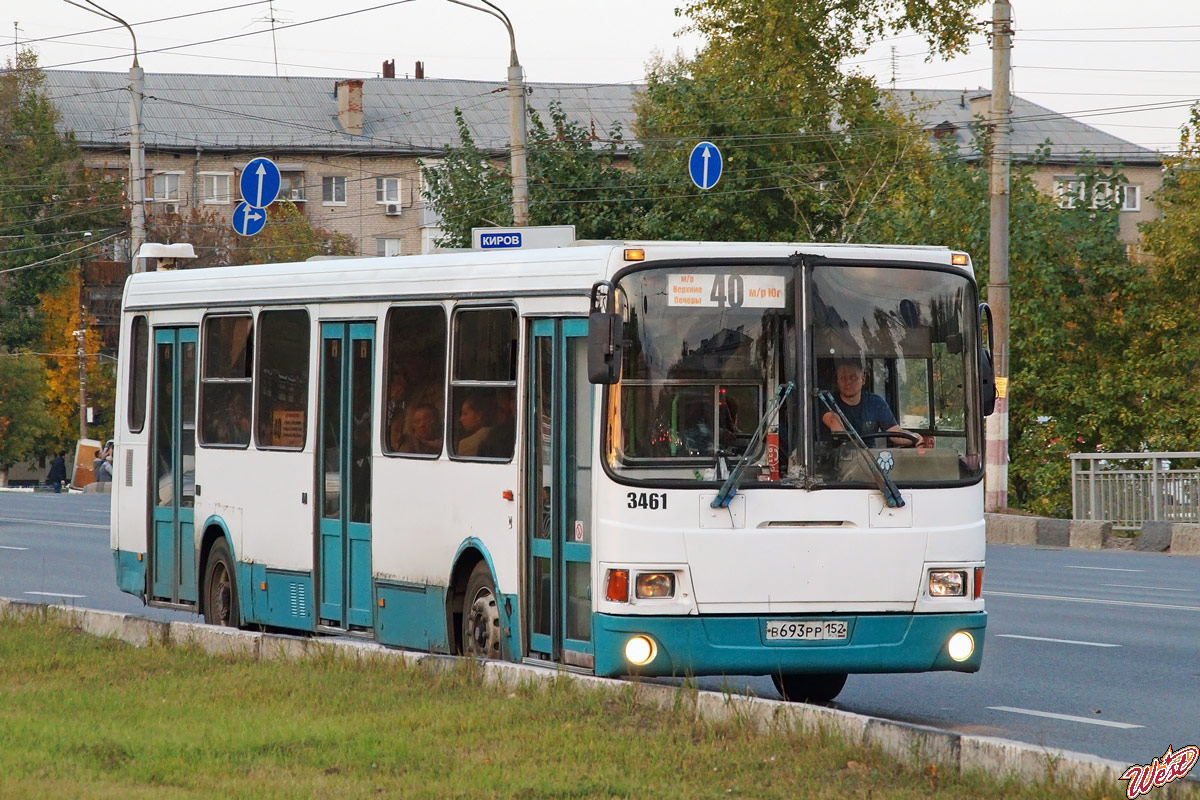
411, 615
733, 645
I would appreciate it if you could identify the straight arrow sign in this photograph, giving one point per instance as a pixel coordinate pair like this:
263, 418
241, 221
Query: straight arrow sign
260, 183
704, 165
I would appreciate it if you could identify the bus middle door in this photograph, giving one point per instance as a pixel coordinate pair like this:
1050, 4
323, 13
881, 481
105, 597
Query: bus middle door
344, 475
559, 541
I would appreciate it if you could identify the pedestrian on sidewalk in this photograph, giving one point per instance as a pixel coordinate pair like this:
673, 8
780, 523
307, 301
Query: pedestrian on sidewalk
57, 475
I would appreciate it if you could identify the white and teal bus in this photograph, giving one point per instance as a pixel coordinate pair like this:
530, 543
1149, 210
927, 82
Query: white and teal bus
604, 456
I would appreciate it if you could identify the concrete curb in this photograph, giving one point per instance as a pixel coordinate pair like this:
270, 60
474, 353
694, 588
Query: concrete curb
1175, 538
915, 744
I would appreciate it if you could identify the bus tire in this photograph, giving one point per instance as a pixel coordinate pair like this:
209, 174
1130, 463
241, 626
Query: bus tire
220, 598
481, 615
812, 688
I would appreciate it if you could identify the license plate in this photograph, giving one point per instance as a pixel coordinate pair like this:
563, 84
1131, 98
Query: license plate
807, 630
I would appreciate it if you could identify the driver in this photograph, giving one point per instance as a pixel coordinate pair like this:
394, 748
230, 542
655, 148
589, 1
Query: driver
867, 411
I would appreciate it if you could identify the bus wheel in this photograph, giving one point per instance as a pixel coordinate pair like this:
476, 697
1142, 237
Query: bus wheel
481, 615
220, 590
818, 688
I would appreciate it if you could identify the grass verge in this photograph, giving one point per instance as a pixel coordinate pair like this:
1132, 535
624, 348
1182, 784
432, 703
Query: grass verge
96, 718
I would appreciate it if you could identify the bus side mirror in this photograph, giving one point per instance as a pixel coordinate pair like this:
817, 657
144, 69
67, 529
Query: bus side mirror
987, 363
604, 335
604, 347
987, 382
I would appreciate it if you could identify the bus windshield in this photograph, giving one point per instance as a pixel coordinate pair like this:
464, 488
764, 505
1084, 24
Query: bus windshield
706, 349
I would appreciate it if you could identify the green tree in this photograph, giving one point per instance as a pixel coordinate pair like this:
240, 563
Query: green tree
289, 236
25, 424
574, 179
810, 147
47, 201
1168, 355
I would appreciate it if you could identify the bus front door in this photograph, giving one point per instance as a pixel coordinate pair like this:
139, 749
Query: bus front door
173, 545
344, 475
559, 549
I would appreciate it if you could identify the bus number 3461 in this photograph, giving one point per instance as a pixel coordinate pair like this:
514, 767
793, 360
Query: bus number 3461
651, 500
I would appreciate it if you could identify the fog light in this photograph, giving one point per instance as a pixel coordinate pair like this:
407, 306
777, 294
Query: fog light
655, 584
960, 646
640, 650
947, 583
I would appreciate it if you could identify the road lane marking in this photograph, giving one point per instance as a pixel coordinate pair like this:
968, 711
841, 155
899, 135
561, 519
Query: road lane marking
58, 594
1058, 641
54, 522
1154, 588
10, 547
1129, 603
1065, 717
1106, 569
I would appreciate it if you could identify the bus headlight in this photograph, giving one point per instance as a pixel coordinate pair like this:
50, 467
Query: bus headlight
947, 583
961, 646
655, 584
640, 650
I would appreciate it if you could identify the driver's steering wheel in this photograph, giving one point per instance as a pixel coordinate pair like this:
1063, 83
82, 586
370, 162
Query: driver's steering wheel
912, 439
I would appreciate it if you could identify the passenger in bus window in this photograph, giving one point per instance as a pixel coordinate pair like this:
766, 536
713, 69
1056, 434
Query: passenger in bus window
475, 424
500, 441
425, 434
868, 412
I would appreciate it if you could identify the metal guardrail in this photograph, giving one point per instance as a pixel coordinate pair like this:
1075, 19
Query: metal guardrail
1128, 489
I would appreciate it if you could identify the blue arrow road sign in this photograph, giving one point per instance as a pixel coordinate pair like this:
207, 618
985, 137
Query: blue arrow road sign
704, 165
260, 183
248, 221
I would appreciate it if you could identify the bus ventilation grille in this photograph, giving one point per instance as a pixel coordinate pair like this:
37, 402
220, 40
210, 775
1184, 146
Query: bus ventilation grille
298, 600
129, 468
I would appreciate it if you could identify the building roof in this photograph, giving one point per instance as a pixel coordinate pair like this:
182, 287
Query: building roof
415, 116
1032, 127
238, 112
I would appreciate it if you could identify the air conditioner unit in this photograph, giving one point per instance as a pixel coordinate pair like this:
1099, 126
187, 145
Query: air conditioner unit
392, 209
170, 208
296, 194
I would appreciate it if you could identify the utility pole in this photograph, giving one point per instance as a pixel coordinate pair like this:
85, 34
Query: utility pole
516, 106
137, 153
996, 473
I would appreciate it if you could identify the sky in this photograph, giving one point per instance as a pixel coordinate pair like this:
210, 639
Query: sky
1128, 67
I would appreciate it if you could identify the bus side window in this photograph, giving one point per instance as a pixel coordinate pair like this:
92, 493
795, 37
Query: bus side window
415, 383
282, 380
484, 383
225, 385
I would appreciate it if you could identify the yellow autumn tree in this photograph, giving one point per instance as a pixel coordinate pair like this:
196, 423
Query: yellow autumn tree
60, 310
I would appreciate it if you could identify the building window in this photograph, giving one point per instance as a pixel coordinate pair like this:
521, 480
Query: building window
166, 187
215, 187
1070, 192
333, 190
483, 384
387, 247
282, 382
387, 190
1131, 198
291, 186
225, 381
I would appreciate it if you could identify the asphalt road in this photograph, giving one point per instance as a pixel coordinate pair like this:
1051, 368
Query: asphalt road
1092, 651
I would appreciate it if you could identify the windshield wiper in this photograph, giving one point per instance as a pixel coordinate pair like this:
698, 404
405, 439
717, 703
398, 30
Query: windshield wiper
729, 488
891, 494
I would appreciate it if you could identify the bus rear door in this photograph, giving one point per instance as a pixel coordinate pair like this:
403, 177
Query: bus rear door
173, 544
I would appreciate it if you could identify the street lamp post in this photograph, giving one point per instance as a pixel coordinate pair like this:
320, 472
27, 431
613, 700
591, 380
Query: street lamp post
137, 154
516, 98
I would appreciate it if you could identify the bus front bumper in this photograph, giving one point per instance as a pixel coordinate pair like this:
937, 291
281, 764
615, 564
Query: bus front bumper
738, 645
